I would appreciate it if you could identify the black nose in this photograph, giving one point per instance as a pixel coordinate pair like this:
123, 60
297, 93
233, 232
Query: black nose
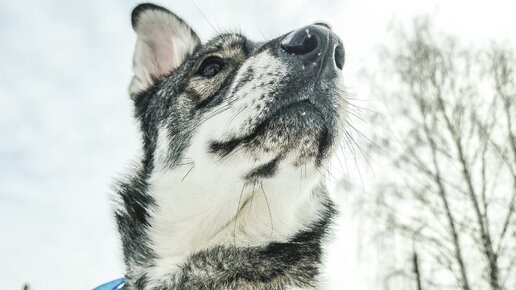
302, 41
313, 42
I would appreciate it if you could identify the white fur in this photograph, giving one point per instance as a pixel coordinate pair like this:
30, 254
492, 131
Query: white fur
199, 206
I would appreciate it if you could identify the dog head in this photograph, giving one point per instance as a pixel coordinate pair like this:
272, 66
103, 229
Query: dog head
235, 99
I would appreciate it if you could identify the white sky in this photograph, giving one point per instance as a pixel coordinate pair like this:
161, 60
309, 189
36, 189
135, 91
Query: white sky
66, 127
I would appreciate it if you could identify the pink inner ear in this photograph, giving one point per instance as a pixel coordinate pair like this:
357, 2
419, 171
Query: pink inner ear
163, 48
163, 51
156, 56
164, 64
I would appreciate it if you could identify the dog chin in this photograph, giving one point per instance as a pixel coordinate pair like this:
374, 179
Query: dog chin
298, 131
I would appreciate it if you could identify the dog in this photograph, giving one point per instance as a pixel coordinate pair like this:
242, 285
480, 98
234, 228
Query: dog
229, 191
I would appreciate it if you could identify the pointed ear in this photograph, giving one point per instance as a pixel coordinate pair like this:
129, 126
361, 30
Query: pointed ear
163, 42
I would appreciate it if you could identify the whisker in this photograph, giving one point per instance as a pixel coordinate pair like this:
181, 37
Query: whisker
190, 170
205, 17
364, 136
233, 118
268, 207
342, 151
365, 155
236, 213
266, 39
217, 111
328, 173
353, 153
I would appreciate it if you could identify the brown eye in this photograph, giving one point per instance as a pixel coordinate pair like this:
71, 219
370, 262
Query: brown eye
210, 67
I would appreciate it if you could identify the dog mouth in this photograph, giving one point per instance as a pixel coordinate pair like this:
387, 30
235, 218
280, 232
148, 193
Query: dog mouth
288, 122
299, 107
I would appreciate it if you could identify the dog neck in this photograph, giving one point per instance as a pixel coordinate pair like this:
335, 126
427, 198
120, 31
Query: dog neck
199, 206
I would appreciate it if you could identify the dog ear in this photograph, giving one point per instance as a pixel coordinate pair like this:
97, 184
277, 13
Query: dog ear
163, 42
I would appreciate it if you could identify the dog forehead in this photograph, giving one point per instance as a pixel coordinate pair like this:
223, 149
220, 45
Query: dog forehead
228, 43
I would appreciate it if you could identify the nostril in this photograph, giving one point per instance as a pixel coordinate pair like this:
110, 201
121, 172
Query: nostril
323, 25
339, 57
300, 42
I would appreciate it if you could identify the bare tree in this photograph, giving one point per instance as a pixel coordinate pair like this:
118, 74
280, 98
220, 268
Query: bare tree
448, 143
417, 270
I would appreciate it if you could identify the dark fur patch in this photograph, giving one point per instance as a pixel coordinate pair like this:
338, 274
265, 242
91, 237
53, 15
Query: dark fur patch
325, 141
224, 148
133, 219
266, 170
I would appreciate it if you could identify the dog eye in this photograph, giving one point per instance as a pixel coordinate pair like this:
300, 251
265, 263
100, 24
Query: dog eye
210, 67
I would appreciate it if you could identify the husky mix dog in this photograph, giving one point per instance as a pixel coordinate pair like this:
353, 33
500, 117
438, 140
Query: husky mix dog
229, 192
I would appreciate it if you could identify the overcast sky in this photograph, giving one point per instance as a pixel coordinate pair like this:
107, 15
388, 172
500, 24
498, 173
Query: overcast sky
65, 116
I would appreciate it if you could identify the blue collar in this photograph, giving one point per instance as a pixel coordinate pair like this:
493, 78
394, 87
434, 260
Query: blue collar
117, 284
